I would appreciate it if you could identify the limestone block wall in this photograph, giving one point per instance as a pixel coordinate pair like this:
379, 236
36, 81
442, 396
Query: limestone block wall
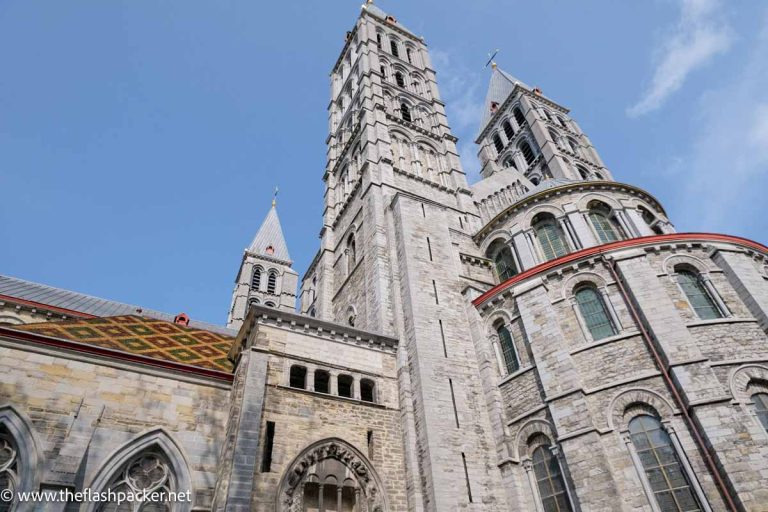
80, 412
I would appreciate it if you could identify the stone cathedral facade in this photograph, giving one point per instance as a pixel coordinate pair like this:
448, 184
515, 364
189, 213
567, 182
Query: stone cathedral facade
541, 340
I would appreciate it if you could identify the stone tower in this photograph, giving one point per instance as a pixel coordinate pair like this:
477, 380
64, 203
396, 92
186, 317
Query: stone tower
265, 275
396, 205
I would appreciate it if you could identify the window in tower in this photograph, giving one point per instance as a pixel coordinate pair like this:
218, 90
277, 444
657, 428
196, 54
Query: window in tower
272, 282
501, 254
582, 172
399, 80
510, 162
665, 474
519, 117
562, 122
508, 352
527, 152
497, 143
594, 313
253, 302
651, 220
344, 385
351, 252
322, 381
409, 55
761, 408
574, 146
367, 390
378, 40
256, 279
298, 377
550, 236
393, 48
699, 297
604, 223
508, 130
549, 480
405, 112
383, 71
555, 137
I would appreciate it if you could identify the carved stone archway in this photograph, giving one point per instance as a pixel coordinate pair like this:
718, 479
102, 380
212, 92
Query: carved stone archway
371, 496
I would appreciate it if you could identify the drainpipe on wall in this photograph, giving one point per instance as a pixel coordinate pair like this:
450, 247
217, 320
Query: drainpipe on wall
719, 478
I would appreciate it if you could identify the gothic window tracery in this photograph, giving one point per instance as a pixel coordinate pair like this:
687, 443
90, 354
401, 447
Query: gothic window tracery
9, 468
149, 471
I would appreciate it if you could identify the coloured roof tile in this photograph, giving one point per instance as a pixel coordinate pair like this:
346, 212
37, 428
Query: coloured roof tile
148, 337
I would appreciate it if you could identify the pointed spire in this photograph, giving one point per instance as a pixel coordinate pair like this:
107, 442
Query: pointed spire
269, 240
499, 89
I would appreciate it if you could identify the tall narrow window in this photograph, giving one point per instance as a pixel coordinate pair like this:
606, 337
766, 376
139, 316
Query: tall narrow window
519, 117
409, 55
508, 130
399, 80
605, 225
582, 172
497, 143
527, 152
698, 295
405, 112
501, 254
378, 41
256, 279
367, 390
549, 479
9, 469
550, 236
393, 48
351, 252
322, 381
508, 349
510, 162
269, 440
383, 71
761, 408
574, 146
661, 463
272, 282
594, 313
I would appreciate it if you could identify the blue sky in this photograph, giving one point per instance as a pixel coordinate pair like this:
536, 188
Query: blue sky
140, 140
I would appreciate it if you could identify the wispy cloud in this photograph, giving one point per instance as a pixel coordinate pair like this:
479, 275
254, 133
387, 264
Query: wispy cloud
461, 91
699, 36
727, 164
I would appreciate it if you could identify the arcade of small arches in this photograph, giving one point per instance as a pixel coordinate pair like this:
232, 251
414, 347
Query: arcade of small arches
332, 382
418, 113
411, 81
264, 281
418, 157
551, 234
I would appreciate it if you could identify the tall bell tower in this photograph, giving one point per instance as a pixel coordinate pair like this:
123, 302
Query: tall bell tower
397, 205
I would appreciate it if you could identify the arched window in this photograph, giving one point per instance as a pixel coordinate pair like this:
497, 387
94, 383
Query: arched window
344, 384
508, 130
698, 296
367, 390
322, 381
761, 408
253, 302
256, 279
562, 121
606, 226
662, 466
594, 313
555, 137
519, 117
405, 112
651, 220
9, 468
399, 80
599, 176
409, 55
298, 377
582, 172
574, 146
312, 312
508, 352
149, 472
378, 40
393, 48
527, 152
269, 304
351, 252
510, 162
551, 238
272, 282
549, 480
383, 71
497, 143
501, 254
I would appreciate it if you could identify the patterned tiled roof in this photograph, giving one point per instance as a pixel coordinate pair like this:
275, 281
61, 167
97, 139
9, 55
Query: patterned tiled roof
148, 337
79, 302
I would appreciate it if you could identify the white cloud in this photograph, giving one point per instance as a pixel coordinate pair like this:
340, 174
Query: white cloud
698, 37
726, 166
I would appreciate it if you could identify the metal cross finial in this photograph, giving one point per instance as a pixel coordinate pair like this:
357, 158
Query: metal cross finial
490, 59
274, 198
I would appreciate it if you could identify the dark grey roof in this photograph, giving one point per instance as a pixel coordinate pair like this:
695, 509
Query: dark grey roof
376, 11
270, 234
499, 89
57, 297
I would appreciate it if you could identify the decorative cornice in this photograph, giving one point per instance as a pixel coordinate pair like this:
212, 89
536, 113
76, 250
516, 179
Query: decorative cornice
574, 257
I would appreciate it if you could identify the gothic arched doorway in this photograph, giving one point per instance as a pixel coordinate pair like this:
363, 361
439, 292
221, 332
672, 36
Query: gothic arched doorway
331, 476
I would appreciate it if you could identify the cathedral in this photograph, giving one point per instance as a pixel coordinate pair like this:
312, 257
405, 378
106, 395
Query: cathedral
541, 340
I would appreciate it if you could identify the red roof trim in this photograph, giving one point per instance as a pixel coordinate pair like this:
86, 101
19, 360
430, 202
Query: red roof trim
622, 244
46, 306
115, 354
